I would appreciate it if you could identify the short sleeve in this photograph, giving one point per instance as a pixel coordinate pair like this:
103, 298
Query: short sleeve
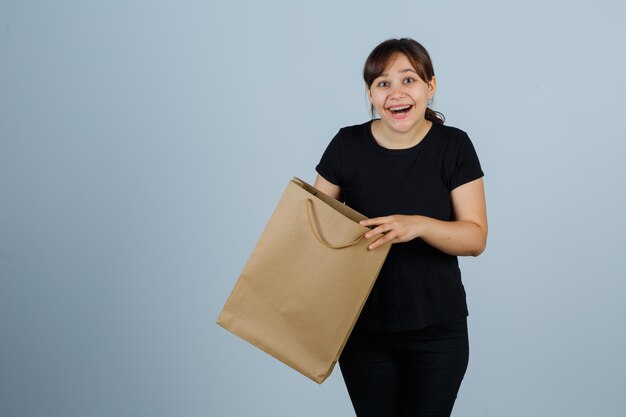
330, 165
465, 165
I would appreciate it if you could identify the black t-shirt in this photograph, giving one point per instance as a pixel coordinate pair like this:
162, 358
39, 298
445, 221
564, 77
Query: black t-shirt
418, 284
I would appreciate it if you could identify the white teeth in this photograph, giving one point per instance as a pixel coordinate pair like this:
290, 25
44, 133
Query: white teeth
399, 108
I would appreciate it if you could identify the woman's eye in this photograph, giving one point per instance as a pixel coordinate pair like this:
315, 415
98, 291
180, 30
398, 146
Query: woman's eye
409, 80
382, 84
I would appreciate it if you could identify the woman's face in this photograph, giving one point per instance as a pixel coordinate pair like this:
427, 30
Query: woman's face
400, 96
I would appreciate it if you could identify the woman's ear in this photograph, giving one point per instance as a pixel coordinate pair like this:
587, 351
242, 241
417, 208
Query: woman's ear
432, 87
369, 93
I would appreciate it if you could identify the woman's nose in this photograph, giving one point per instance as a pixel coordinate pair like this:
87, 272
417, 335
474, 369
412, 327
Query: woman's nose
396, 91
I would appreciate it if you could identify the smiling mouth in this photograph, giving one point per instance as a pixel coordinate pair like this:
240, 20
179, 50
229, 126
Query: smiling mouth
400, 110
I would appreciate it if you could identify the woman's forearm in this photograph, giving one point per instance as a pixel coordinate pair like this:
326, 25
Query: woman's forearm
459, 238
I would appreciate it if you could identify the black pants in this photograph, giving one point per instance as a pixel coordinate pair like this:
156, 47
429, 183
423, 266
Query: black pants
406, 374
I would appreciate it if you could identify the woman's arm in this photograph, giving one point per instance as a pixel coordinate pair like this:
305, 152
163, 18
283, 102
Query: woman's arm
328, 187
466, 235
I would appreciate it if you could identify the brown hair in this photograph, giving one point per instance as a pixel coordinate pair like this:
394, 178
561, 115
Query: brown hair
417, 55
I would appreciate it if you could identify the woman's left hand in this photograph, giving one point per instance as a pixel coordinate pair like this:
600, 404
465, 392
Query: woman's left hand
396, 228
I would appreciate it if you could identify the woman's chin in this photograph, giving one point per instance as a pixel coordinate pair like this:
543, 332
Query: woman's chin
400, 126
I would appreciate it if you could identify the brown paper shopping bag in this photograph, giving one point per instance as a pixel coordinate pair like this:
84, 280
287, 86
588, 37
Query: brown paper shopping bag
303, 288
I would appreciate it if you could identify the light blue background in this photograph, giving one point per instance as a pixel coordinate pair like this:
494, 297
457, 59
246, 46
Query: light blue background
144, 145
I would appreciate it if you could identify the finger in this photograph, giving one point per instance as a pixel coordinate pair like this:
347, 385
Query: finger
373, 221
379, 242
367, 222
379, 230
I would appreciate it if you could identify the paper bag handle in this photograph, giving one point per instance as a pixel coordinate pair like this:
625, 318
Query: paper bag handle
317, 235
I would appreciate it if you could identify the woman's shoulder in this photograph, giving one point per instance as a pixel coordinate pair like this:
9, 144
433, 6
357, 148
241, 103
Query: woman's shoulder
353, 135
451, 132
356, 129
452, 137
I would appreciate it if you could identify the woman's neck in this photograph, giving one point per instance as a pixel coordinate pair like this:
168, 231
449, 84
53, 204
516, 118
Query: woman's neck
392, 139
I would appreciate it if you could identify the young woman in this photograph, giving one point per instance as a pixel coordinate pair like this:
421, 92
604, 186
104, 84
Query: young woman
420, 184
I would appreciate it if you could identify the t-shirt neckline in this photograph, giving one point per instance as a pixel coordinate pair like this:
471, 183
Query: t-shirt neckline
400, 151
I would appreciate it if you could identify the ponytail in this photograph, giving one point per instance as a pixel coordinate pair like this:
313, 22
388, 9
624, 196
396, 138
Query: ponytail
434, 116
